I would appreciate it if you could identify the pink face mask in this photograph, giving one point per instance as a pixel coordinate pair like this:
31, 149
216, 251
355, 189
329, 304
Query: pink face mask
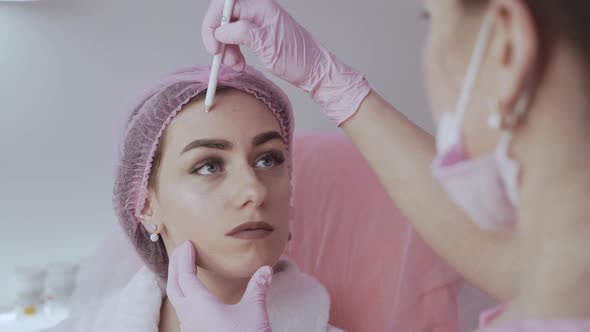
485, 187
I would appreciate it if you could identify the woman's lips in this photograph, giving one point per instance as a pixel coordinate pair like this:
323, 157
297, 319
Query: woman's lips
251, 230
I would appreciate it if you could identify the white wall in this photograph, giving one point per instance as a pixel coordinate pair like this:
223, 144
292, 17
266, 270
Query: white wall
69, 67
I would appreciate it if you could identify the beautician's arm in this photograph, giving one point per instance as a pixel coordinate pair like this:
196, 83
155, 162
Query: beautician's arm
397, 150
400, 153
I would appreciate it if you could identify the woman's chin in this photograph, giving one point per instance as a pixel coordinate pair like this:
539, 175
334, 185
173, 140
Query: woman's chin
246, 265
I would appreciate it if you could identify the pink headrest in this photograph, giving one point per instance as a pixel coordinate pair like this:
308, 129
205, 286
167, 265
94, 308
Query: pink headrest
349, 235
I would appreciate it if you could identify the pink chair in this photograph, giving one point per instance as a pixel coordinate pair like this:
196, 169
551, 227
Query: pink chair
349, 235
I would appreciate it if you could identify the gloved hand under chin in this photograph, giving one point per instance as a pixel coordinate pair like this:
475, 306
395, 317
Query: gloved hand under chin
199, 310
289, 51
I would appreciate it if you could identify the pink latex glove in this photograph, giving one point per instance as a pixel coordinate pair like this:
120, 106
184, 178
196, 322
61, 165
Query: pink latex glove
199, 310
289, 51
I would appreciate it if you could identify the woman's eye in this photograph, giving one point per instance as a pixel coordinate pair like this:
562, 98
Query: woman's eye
270, 160
208, 168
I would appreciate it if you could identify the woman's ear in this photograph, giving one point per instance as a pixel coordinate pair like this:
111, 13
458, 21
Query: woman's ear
517, 50
148, 215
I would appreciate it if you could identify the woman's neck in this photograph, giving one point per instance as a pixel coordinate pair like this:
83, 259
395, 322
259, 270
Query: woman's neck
228, 291
168, 319
554, 210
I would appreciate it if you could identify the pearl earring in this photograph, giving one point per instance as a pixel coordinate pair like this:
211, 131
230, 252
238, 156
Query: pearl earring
154, 237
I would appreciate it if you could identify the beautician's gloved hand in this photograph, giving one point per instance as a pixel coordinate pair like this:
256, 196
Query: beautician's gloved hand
199, 310
288, 51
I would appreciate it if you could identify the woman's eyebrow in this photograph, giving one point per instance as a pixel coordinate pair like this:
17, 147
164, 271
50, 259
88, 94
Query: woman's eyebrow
219, 144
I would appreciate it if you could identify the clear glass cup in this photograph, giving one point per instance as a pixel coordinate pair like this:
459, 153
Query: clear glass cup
60, 283
29, 287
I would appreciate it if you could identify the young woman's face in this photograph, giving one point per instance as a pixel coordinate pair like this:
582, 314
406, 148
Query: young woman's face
224, 184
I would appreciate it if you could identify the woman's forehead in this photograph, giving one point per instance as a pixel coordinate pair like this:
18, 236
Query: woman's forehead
236, 117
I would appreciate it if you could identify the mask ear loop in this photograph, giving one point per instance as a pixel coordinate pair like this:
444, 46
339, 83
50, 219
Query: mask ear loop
474, 67
456, 119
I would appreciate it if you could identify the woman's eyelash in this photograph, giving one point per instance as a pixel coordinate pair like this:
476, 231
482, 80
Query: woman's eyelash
277, 156
206, 162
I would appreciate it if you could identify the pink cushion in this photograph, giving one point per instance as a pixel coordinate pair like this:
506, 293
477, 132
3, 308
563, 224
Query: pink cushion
349, 235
